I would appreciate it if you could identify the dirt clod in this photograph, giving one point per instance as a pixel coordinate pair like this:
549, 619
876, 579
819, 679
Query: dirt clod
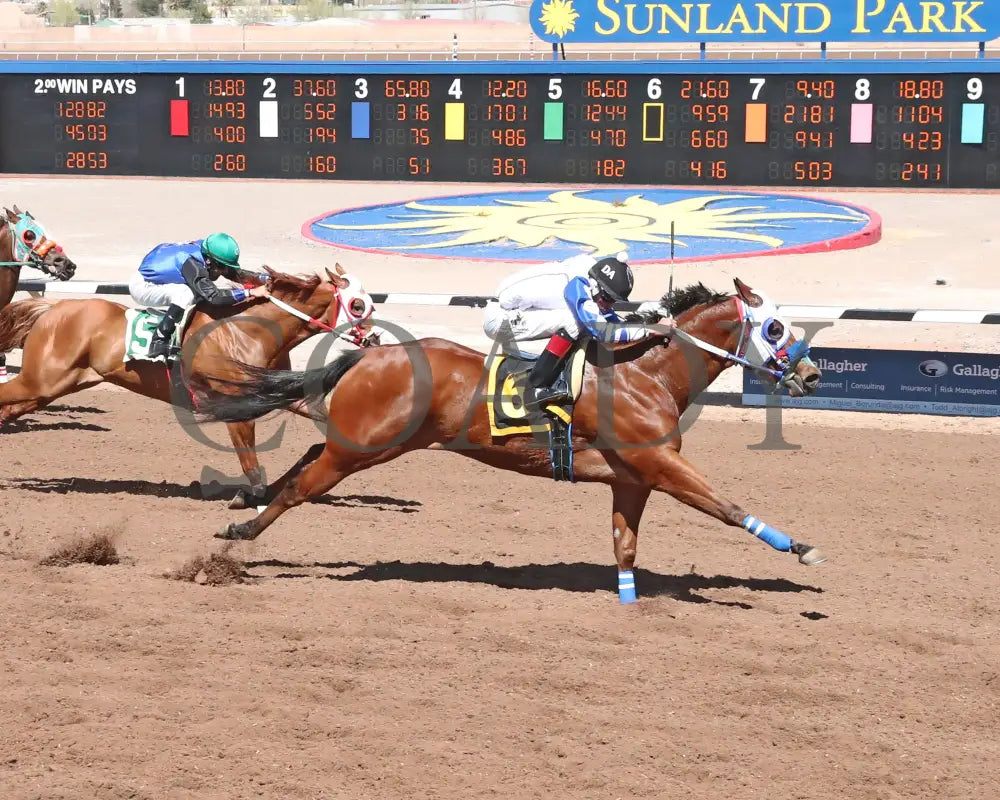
98, 549
218, 569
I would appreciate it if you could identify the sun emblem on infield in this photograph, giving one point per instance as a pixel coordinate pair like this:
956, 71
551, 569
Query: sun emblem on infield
600, 226
559, 17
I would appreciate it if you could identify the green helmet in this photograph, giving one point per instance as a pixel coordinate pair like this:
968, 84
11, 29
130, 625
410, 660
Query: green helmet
221, 248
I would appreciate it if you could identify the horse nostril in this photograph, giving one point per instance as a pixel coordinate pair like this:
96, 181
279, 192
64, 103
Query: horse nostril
811, 379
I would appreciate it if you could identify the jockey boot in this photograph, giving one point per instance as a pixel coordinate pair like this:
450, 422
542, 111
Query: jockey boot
160, 343
544, 378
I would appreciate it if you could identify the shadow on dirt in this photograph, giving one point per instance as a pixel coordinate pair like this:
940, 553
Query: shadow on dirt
30, 424
192, 491
577, 577
61, 409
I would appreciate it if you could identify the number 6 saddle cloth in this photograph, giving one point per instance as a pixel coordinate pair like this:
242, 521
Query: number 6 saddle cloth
507, 378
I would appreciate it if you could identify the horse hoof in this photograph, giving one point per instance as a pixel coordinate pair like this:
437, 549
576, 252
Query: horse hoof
238, 503
233, 531
812, 556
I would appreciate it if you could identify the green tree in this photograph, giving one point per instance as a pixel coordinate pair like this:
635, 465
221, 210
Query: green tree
64, 13
225, 6
148, 8
200, 13
314, 9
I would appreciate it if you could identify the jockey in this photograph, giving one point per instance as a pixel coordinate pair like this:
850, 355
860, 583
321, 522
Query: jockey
179, 275
566, 300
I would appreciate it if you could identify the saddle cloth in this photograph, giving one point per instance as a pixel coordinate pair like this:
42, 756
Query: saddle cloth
140, 324
507, 377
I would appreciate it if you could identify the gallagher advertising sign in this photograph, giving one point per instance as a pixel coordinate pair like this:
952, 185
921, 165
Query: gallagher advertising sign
769, 21
907, 381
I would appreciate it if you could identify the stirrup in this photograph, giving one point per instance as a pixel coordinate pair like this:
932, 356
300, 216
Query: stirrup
547, 395
160, 347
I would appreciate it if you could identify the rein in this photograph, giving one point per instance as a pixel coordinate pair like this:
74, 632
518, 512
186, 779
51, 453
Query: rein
793, 355
718, 351
312, 320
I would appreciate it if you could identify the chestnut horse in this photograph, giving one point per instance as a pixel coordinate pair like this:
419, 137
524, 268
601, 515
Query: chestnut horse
426, 394
24, 243
75, 344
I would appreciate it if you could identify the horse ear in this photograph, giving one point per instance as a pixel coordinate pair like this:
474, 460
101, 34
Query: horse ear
17, 210
268, 270
751, 299
336, 280
10, 214
340, 269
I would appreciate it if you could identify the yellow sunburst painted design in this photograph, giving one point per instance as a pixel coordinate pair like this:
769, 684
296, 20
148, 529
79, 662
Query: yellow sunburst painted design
559, 17
604, 227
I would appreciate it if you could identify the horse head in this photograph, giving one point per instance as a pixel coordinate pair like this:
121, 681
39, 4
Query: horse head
766, 341
31, 245
754, 332
341, 300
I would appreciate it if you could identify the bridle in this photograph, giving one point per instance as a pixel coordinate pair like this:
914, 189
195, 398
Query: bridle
357, 334
30, 243
785, 358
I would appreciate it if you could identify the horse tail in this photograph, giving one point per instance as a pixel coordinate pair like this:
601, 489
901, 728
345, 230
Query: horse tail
17, 320
268, 390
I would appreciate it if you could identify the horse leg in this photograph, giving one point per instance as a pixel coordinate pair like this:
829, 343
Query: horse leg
628, 502
310, 455
243, 436
680, 480
315, 478
24, 393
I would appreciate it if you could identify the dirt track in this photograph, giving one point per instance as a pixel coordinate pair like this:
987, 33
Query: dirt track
376, 653
435, 628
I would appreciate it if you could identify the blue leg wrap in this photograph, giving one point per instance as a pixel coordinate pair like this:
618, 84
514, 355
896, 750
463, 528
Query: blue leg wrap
626, 587
773, 537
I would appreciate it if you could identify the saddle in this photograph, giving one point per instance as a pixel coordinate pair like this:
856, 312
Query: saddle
506, 385
141, 323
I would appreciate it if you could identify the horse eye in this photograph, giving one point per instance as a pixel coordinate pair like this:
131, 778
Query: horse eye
28, 237
357, 306
774, 330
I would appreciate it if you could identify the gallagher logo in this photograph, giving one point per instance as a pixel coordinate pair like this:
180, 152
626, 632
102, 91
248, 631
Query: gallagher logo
933, 368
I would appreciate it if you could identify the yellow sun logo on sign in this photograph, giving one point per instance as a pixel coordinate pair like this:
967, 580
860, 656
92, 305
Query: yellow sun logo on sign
559, 17
598, 225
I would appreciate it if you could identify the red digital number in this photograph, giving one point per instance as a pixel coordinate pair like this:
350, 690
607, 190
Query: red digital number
323, 164
309, 87
97, 160
229, 162
509, 167
419, 165
813, 171
710, 139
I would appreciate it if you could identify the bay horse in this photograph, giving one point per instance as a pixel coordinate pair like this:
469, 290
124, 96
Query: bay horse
25, 243
72, 345
426, 395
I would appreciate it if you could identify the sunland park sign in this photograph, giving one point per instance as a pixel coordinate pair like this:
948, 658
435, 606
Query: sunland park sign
770, 21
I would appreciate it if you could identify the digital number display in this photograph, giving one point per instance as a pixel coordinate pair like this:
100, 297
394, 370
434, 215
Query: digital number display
653, 127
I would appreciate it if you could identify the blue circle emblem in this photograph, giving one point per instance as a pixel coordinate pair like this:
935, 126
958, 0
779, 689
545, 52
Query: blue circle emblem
545, 224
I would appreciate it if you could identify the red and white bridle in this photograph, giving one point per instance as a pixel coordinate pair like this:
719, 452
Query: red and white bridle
354, 305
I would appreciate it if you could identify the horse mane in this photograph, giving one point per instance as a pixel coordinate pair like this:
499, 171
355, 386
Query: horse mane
296, 282
697, 294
